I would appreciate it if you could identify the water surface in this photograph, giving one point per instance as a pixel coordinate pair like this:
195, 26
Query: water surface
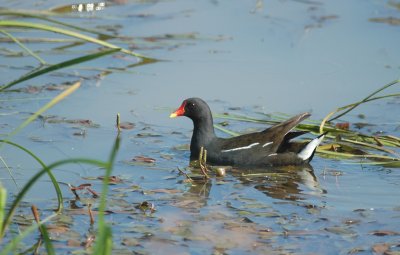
243, 58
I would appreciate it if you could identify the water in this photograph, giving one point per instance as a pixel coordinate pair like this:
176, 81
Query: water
286, 56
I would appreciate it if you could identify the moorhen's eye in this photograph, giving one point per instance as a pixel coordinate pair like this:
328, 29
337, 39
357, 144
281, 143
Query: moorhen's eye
191, 106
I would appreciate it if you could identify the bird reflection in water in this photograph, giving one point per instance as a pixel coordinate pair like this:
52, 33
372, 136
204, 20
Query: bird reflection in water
286, 183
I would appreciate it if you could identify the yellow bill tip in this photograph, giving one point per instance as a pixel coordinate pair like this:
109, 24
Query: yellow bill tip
173, 115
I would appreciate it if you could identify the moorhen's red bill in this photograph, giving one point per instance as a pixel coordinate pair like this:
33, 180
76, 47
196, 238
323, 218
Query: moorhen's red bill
271, 147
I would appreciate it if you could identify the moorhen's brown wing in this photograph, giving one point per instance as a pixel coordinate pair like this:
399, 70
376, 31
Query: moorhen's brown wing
267, 141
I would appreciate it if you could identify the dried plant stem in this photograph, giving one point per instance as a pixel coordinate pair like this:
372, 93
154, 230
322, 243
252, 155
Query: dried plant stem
118, 123
185, 174
90, 214
36, 216
203, 162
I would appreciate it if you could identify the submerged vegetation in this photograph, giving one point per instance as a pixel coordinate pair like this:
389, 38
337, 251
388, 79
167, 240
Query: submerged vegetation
341, 143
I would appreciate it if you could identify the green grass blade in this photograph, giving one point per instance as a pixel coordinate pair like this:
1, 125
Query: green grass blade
3, 201
10, 23
46, 239
42, 16
376, 147
24, 47
366, 156
51, 176
104, 239
58, 66
364, 100
9, 171
350, 107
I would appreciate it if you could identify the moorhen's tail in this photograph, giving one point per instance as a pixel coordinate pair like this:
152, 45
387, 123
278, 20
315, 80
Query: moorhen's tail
287, 125
278, 132
307, 153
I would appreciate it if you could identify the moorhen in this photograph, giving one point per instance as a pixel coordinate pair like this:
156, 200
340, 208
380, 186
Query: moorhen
270, 147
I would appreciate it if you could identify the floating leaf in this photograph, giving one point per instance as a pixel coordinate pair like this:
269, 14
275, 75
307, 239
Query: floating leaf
144, 159
147, 134
31, 89
119, 204
343, 125
131, 188
380, 248
166, 156
73, 243
356, 250
57, 229
332, 172
58, 86
351, 222
388, 20
182, 147
112, 179
234, 108
344, 231
126, 125
360, 125
81, 132
80, 122
384, 233
167, 191
130, 242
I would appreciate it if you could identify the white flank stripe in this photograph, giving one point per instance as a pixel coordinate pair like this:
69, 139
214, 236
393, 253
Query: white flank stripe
272, 154
307, 151
241, 148
266, 144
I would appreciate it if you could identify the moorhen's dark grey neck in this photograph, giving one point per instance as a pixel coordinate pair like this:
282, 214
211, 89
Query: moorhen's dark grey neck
203, 131
203, 127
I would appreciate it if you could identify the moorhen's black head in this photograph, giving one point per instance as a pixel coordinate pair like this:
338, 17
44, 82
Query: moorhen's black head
193, 108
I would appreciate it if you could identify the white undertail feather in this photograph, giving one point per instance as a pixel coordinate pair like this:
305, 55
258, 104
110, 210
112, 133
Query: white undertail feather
308, 151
